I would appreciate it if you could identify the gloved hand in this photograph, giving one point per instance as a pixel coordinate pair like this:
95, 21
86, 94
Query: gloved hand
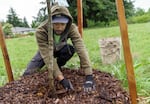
89, 84
66, 84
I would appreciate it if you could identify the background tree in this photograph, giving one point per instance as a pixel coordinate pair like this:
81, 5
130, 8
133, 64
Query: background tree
34, 24
25, 22
41, 16
99, 10
129, 8
139, 12
13, 19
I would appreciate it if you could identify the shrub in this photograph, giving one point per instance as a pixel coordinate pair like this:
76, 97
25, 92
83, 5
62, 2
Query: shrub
7, 29
31, 33
139, 19
114, 23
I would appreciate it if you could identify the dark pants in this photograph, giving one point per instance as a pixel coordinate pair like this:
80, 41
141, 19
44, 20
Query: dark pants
62, 56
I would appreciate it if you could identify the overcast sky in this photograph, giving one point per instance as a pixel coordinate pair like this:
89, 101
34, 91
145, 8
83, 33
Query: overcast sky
29, 8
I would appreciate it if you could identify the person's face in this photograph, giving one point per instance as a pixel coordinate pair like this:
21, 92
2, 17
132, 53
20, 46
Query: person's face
59, 27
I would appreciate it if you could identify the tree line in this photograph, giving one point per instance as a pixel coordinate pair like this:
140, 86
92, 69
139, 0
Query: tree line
95, 12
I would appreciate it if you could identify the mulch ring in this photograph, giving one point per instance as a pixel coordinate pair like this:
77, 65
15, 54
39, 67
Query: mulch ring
34, 89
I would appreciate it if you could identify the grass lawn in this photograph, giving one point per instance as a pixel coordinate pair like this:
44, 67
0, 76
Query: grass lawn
21, 50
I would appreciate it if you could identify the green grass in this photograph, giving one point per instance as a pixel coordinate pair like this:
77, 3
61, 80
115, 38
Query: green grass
140, 50
21, 50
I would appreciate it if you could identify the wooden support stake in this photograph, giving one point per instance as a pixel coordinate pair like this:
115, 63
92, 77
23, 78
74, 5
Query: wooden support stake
127, 53
80, 17
5, 55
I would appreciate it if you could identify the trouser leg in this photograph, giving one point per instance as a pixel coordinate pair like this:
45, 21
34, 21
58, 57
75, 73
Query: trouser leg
35, 64
64, 55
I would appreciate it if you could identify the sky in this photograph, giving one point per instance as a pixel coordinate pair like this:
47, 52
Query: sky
23, 8
30, 8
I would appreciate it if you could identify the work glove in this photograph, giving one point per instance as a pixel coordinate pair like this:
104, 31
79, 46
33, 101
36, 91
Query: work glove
66, 84
89, 84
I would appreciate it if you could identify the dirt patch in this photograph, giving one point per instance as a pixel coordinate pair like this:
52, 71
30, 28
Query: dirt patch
34, 89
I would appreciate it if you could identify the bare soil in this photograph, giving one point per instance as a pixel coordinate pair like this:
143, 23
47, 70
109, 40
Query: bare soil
34, 89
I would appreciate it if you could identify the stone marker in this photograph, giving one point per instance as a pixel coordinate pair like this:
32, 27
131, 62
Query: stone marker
110, 49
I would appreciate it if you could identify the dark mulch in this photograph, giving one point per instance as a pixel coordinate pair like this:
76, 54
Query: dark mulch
33, 89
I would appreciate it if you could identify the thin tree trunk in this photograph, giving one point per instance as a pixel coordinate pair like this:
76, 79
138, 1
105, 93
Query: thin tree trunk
50, 41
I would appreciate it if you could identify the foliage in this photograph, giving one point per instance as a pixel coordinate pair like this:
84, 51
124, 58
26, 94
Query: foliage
94, 11
25, 23
142, 76
113, 23
99, 10
41, 16
139, 19
31, 33
34, 24
139, 12
13, 19
129, 8
7, 29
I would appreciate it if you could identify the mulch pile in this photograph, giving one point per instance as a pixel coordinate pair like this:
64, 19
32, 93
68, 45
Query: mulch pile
34, 89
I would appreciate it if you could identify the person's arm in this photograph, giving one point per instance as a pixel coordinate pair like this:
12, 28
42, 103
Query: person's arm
77, 41
42, 41
80, 49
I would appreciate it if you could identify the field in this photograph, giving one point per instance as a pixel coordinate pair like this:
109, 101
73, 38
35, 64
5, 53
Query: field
21, 50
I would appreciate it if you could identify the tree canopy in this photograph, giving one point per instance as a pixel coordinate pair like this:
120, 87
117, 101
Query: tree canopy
99, 10
13, 19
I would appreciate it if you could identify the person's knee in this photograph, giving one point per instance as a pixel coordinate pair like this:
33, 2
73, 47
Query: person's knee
30, 71
65, 54
34, 65
68, 50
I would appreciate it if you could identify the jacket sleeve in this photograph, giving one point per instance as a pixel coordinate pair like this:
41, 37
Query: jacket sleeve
42, 41
80, 49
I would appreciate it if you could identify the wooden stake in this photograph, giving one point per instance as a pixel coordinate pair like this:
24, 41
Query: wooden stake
80, 17
5, 55
127, 53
